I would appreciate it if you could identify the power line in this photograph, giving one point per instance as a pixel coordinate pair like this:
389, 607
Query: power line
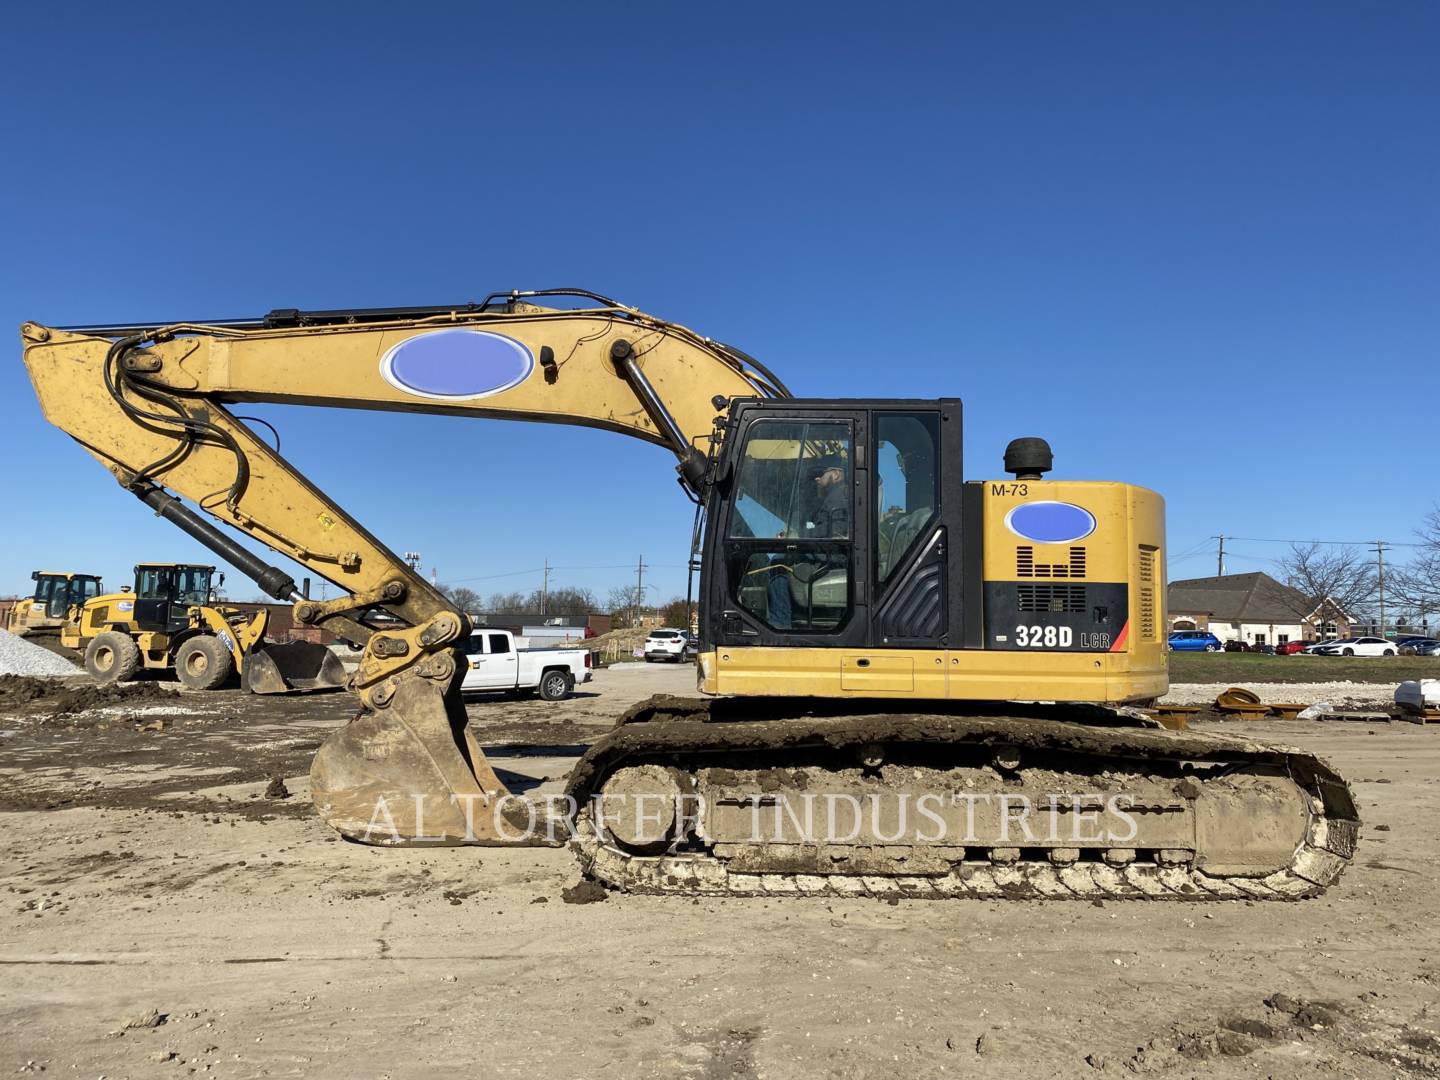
1337, 543
552, 567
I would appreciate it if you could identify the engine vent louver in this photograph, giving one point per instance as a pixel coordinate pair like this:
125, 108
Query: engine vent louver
1065, 599
1027, 567
1148, 622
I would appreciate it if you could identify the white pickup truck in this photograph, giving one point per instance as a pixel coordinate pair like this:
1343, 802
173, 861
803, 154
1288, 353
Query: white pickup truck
496, 664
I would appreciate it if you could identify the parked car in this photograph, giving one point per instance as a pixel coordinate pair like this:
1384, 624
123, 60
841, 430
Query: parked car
1290, 648
668, 644
1313, 649
1194, 641
1432, 649
1420, 647
496, 664
1360, 646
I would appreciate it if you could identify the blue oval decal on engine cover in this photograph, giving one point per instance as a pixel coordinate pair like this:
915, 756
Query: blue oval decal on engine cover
1050, 522
456, 363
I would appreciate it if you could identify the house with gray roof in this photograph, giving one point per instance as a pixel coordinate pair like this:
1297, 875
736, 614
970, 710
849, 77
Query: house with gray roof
1253, 608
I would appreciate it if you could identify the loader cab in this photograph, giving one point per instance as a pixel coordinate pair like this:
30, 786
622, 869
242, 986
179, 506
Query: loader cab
165, 593
56, 593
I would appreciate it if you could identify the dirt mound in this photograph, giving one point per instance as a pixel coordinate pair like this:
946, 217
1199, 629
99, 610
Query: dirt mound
617, 644
585, 892
69, 698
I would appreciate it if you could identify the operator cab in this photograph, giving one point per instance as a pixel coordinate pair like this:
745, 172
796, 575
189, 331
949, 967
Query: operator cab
165, 593
830, 528
56, 593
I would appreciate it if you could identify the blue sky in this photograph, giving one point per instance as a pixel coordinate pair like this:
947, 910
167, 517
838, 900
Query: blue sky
1195, 247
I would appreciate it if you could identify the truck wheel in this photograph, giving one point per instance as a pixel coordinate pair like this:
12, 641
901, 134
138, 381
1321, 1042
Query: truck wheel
112, 657
203, 663
554, 685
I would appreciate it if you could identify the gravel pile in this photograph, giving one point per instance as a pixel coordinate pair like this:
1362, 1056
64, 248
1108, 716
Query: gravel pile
21, 657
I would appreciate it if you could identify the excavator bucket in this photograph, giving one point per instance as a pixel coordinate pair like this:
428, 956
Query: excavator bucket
409, 772
294, 665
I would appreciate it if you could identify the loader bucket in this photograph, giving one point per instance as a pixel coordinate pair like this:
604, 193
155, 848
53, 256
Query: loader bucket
294, 665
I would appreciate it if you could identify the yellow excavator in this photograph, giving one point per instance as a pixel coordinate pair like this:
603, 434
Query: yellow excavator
915, 684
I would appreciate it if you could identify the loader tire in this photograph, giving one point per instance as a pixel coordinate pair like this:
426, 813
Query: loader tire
555, 685
203, 663
112, 657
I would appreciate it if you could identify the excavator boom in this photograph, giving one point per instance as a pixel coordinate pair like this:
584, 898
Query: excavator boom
151, 403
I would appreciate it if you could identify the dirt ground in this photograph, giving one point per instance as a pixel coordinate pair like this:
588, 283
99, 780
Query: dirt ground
166, 916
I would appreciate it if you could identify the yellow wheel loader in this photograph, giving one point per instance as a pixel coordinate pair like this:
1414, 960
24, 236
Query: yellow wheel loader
170, 620
914, 683
41, 616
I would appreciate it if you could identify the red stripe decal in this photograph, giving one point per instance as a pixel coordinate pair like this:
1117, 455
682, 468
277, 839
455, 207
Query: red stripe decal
1120, 640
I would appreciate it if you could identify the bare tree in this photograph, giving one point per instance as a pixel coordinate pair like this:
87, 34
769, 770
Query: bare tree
511, 601
467, 600
1417, 585
1343, 575
563, 600
624, 604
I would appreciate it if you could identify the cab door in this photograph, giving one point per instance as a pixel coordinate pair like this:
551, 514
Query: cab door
786, 554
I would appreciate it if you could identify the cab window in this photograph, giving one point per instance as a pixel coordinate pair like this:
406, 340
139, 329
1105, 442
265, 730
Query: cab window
906, 485
50, 594
794, 481
499, 643
193, 585
154, 583
789, 550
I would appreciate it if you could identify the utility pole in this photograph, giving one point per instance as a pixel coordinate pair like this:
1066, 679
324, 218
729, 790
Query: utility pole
545, 585
1220, 557
1380, 576
639, 589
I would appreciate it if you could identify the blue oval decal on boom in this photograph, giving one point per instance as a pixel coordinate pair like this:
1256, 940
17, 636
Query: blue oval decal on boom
1050, 522
456, 364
